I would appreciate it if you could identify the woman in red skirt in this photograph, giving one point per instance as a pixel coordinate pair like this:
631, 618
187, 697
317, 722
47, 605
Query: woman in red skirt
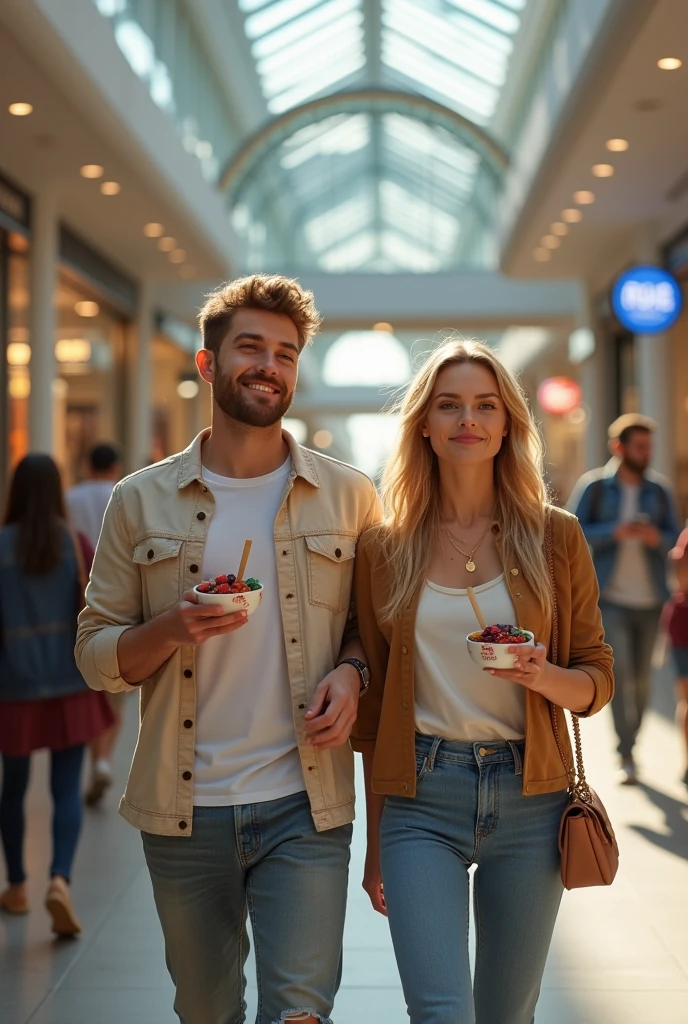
44, 702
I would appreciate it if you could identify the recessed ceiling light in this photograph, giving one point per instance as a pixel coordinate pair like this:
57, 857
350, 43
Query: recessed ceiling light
177, 256
669, 63
559, 228
153, 230
542, 255
584, 198
571, 216
167, 244
110, 188
617, 145
603, 170
187, 388
18, 353
187, 271
383, 326
551, 241
20, 109
91, 171
323, 438
86, 308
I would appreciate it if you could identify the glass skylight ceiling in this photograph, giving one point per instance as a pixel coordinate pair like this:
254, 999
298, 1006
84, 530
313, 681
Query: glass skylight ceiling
372, 191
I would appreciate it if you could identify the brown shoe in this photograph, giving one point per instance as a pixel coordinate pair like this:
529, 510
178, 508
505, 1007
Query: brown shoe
100, 782
14, 901
59, 905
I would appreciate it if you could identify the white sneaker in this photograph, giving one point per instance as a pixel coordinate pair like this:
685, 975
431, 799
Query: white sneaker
100, 781
628, 774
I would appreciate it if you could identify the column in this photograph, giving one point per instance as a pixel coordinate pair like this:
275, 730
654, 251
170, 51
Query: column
653, 372
592, 378
138, 403
42, 320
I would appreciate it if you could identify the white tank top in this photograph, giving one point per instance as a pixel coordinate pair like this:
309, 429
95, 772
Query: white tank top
454, 698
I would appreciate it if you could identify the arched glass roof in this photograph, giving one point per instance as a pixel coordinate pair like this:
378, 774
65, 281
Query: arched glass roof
453, 51
369, 189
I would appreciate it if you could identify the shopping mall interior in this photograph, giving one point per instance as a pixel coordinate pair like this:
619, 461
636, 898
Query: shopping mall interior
496, 168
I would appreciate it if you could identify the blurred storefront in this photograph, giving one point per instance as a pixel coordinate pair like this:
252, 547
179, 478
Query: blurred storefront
676, 261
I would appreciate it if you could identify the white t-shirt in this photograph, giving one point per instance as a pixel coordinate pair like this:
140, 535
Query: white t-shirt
86, 504
454, 698
246, 749
631, 583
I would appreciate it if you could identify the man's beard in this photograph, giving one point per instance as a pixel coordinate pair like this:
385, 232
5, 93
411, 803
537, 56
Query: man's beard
235, 402
635, 466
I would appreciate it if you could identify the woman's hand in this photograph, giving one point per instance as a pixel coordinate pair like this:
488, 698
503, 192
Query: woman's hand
531, 668
372, 882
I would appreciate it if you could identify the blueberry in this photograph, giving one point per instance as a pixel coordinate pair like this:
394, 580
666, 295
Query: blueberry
231, 578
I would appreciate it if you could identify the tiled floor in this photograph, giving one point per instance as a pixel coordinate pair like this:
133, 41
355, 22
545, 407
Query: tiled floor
620, 955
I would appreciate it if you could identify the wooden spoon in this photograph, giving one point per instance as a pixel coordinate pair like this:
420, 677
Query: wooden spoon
476, 608
244, 560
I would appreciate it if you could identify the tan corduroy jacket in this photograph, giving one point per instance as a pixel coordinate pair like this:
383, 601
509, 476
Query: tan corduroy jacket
385, 721
150, 552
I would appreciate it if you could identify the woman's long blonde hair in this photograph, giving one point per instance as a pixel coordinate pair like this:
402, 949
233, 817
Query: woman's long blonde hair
411, 491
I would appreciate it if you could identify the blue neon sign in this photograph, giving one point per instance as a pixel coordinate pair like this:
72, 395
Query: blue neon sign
647, 300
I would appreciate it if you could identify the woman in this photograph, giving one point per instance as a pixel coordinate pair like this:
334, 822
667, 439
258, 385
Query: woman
44, 702
461, 763
675, 625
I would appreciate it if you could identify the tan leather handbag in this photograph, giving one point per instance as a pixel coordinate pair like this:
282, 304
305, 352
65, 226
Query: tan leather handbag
587, 844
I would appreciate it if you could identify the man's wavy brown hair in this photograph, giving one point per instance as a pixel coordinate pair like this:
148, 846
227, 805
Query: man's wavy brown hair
270, 292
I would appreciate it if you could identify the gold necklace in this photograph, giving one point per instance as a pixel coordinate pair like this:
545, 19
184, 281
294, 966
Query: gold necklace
468, 555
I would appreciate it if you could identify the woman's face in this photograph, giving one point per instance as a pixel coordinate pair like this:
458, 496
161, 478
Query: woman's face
466, 420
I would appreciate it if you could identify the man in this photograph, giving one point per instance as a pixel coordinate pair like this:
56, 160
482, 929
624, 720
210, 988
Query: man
628, 517
242, 779
86, 504
87, 501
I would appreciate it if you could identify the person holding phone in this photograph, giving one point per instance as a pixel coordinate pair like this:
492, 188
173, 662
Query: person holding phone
629, 520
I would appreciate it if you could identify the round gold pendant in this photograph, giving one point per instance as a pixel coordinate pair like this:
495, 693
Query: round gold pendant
470, 565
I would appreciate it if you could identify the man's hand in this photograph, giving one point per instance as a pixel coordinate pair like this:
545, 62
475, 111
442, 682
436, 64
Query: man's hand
191, 624
372, 881
330, 718
649, 535
625, 531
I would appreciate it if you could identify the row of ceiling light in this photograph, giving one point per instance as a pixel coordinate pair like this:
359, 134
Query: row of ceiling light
166, 243
551, 241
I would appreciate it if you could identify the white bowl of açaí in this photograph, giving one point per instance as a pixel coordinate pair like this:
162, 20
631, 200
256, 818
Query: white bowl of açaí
489, 648
232, 594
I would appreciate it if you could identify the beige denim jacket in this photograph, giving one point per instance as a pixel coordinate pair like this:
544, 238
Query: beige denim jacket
150, 551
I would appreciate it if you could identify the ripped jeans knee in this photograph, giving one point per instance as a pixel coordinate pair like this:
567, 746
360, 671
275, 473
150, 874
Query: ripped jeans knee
301, 1013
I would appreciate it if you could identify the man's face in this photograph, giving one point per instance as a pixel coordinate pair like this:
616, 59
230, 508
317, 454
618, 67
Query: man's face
254, 375
636, 453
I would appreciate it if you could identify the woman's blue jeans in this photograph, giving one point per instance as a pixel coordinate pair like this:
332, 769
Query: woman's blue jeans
65, 781
469, 810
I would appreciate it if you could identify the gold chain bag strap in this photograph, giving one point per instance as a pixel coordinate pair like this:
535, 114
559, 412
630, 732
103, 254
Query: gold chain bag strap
587, 844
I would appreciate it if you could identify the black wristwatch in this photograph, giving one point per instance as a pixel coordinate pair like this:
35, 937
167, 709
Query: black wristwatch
362, 670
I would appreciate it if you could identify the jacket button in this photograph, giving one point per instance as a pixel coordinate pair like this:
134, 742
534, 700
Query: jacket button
338, 552
187, 673
514, 572
187, 723
405, 787
186, 776
404, 650
193, 568
182, 825
406, 707
301, 706
285, 552
289, 596
518, 594
151, 553
201, 516
294, 640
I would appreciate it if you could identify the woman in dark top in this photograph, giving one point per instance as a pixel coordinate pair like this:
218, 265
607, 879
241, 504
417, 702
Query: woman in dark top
44, 702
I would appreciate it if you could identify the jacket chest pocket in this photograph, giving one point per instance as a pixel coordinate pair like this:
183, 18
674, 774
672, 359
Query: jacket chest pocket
159, 561
330, 570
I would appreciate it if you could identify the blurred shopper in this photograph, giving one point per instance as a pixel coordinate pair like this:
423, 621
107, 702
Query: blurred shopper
86, 503
628, 518
483, 782
676, 626
43, 699
242, 779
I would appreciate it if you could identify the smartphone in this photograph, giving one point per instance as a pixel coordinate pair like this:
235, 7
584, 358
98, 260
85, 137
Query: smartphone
642, 519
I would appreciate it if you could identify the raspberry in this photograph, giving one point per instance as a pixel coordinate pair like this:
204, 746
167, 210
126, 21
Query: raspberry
239, 588
221, 579
222, 588
204, 587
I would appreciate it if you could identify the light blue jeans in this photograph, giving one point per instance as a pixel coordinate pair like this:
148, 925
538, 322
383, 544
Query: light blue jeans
268, 860
469, 810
